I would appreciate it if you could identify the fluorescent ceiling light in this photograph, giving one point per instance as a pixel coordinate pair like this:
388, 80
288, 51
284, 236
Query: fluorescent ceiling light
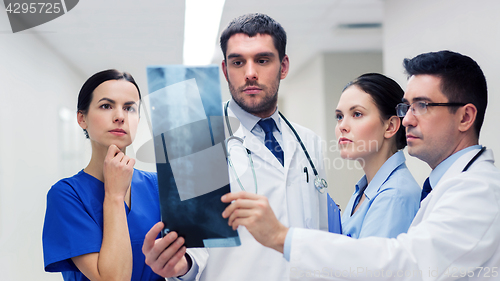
201, 29
360, 25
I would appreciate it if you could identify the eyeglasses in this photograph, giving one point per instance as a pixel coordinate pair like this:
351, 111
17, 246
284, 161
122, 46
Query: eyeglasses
420, 107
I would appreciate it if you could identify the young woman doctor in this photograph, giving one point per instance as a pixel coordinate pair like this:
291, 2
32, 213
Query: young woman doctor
96, 220
387, 197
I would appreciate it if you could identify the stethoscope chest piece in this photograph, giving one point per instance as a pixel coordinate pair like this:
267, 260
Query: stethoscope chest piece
320, 184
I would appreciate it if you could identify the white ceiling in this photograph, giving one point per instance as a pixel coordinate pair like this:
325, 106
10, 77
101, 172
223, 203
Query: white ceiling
130, 34
311, 26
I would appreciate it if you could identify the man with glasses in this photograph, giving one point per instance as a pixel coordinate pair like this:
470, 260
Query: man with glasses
456, 233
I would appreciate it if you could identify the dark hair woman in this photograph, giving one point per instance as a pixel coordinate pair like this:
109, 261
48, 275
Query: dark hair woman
96, 220
387, 197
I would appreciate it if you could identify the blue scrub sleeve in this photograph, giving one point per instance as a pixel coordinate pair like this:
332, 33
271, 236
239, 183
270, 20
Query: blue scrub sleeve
69, 230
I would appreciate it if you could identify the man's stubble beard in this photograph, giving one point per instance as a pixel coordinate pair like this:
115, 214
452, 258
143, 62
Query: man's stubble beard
267, 104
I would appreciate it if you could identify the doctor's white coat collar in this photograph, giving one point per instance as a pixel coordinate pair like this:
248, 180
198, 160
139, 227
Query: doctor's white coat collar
249, 120
249, 133
443, 167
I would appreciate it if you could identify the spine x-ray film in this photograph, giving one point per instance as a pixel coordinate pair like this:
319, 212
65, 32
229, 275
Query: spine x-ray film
185, 108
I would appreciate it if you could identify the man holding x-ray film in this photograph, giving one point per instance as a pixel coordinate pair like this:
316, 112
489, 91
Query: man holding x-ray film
270, 159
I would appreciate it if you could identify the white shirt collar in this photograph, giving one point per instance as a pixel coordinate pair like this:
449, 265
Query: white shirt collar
249, 120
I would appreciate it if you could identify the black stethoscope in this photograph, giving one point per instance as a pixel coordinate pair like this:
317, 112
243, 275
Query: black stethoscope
320, 183
474, 159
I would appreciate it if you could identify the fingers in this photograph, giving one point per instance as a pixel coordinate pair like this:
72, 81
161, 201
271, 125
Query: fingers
116, 155
149, 240
244, 211
112, 151
162, 245
159, 251
165, 255
176, 265
239, 195
171, 262
246, 222
239, 204
131, 161
237, 217
255, 213
243, 200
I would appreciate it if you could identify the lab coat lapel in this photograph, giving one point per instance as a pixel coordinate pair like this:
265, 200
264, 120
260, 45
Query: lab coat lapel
427, 204
461, 162
289, 145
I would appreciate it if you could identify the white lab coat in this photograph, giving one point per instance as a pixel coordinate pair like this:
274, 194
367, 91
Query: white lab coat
456, 231
294, 201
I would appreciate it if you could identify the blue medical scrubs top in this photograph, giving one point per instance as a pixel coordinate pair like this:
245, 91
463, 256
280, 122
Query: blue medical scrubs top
73, 222
392, 201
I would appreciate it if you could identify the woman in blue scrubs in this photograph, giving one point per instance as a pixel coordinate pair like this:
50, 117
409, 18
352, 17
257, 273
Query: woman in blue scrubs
368, 131
96, 220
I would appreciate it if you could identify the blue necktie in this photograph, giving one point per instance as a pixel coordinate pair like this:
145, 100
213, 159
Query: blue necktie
426, 189
270, 141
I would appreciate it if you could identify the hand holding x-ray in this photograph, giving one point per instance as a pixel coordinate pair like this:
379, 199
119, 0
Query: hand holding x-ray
166, 255
254, 212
